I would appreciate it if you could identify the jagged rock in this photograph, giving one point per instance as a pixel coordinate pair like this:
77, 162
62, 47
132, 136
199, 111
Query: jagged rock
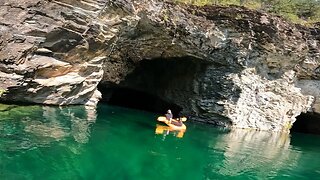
269, 105
45, 52
224, 65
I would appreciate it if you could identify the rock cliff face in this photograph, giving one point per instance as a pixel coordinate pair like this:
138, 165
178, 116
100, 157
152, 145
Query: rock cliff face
227, 66
49, 54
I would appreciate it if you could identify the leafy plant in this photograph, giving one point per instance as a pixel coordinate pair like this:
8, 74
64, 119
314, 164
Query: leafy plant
304, 12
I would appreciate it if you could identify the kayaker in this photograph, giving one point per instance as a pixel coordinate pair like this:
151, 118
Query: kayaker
169, 115
177, 122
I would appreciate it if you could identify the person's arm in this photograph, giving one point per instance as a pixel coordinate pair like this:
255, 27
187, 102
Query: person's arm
167, 116
171, 116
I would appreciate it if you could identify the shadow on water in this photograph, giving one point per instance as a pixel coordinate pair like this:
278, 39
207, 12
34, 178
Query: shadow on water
136, 118
305, 141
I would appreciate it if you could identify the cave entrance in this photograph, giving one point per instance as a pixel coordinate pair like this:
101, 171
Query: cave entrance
307, 123
157, 85
141, 100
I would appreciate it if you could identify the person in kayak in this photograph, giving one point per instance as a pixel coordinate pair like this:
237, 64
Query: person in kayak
169, 116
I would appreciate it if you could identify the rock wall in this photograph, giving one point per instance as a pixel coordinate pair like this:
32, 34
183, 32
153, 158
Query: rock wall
277, 101
51, 52
252, 63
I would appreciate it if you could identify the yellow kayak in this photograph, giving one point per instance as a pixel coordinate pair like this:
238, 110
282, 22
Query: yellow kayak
175, 124
162, 129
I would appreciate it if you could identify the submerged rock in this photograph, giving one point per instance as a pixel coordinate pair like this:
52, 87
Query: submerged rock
223, 65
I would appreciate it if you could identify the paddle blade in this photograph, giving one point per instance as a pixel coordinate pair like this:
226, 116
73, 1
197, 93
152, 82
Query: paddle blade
161, 118
183, 119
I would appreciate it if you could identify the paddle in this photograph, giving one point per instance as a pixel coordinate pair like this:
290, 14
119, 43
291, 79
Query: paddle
183, 119
162, 118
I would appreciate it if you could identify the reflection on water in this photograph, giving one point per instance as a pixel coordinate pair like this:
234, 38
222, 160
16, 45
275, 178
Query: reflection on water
25, 127
255, 152
118, 143
166, 130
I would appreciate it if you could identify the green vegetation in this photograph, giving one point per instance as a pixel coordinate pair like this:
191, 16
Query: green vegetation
2, 91
305, 12
4, 107
9, 111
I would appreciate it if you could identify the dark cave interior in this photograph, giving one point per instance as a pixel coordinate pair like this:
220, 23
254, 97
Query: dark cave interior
156, 85
307, 123
141, 100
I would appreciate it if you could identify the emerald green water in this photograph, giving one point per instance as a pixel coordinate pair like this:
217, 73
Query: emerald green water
38, 142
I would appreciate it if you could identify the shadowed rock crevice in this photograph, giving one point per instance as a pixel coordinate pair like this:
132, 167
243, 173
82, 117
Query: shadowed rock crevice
307, 123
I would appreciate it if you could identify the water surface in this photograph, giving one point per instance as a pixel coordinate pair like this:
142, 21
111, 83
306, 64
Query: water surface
39, 142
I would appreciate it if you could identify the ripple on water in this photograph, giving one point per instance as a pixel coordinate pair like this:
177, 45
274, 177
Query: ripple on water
119, 143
